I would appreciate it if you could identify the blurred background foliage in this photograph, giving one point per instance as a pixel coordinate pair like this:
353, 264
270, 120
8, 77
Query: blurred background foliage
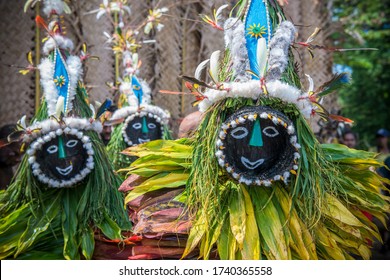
364, 24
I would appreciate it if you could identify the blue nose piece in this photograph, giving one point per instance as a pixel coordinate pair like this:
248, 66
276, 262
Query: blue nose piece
256, 137
61, 149
145, 129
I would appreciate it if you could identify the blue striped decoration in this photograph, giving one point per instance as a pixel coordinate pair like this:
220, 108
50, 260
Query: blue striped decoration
61, 78
137, 89
256, 18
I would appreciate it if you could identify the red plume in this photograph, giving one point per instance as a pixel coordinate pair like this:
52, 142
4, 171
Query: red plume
340, 118
41, 23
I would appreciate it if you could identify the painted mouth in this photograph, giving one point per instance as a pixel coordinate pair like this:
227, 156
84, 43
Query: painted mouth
143, 140
251, 164
65, 171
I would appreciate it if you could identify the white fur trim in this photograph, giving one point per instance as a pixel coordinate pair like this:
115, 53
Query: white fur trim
56, 5
236, 42
251, 89
70, 125
57, 41
46, 69
278, 50
278, 59
154, 110
75, 71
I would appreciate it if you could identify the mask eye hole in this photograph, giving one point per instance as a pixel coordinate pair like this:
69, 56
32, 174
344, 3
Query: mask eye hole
52, 149
71, 143
137, 125
151, 125
136, 87
270, 131
239, 133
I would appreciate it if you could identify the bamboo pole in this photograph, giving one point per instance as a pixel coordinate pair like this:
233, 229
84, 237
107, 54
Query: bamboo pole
37, 61
183, 68
117, 54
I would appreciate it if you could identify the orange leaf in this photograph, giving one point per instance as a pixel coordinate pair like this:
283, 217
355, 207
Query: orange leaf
340, 118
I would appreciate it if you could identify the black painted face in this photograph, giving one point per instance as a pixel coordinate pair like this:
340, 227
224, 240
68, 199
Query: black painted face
255, 145
62, 158
141, 130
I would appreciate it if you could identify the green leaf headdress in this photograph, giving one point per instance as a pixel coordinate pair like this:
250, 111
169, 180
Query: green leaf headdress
258, 183
139, 121
261, 185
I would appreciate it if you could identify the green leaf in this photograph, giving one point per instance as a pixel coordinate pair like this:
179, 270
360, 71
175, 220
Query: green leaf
69, 225
197, 232
159, 181
269, 224
251, 248
87, 243
110, 228
39, 224
237, 216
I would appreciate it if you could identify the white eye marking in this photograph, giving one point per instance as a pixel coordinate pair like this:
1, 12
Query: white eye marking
137, 125
71, 143
239, 132
151, 125
270, 131
52, 149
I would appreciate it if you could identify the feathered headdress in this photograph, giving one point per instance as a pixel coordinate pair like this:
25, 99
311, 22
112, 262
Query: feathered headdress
138, 98
137, 120
65, 190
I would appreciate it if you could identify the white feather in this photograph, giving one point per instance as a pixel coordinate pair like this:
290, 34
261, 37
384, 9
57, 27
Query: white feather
199, 69
100, 13
214, 65
127, 9
60, 106
92, 109
261, 56
219, 11
311, 83
22, 122
135, 59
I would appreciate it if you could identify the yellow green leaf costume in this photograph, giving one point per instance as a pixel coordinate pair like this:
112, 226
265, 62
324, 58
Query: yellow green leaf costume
54, 207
